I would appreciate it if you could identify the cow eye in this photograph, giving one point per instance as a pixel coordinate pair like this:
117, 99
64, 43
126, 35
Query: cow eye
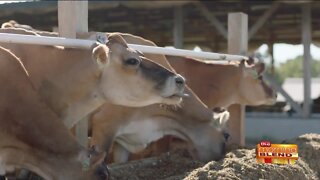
132, 62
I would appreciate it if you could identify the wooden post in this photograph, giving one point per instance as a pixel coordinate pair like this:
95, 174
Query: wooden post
237, 44
178, 27
306, 41
271, 49
73, 18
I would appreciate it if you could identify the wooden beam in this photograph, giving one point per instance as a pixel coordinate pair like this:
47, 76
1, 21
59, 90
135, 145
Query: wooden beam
263, 19
237, 44
212, 19
73, 18
306, 41
178, 27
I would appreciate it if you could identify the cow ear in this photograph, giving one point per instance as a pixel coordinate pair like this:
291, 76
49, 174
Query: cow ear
100, 55
116, 38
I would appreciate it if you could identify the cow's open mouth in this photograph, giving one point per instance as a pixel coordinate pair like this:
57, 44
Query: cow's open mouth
174, 99
178, 95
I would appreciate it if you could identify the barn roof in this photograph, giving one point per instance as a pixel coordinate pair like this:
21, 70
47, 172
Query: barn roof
155, 20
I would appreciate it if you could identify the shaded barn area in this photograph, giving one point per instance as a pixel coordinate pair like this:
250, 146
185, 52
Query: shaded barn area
204, 22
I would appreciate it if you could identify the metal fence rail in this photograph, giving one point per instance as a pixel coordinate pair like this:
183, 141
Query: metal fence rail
85, 44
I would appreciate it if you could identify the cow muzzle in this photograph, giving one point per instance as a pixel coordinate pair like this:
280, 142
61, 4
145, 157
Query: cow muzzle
174, 89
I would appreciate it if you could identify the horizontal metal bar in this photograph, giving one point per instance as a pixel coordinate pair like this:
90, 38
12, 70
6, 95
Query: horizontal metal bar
81, 43
187, 53
45, 40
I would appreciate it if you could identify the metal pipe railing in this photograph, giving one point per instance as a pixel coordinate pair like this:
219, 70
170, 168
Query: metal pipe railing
85, 44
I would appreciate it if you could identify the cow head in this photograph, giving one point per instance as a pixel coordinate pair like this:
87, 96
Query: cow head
209, 138
128, 78
252, 81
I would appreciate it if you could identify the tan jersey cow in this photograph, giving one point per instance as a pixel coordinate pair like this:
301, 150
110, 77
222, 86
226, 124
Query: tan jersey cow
32, 136
220, 85
75, 82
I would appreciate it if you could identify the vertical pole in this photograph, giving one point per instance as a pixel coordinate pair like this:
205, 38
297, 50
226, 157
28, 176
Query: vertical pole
270, 46
73, 18
237, 44
178, 27
306, 41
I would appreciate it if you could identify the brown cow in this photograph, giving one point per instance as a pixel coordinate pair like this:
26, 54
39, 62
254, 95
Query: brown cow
75, 82
32, 136
220, 85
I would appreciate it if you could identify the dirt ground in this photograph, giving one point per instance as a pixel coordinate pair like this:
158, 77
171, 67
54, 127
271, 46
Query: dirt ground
237, 164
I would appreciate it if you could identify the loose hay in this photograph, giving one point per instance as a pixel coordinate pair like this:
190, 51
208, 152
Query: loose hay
237, 164
241, 164
309, 150
166, 165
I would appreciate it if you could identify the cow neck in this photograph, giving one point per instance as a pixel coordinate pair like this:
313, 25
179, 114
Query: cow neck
235, 83
227, 76
194, 107
67, 80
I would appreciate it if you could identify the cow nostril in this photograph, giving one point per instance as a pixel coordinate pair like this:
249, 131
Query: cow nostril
103, 171
179, 80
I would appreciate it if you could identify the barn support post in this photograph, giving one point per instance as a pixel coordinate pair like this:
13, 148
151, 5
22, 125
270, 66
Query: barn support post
271, 49
237, 44
306, 41
178, 27
73, 18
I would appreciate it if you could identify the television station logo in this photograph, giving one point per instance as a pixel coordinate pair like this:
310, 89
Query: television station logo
266, 152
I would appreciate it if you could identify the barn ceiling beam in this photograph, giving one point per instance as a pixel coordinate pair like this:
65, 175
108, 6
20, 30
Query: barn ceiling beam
263, 19
212, 19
